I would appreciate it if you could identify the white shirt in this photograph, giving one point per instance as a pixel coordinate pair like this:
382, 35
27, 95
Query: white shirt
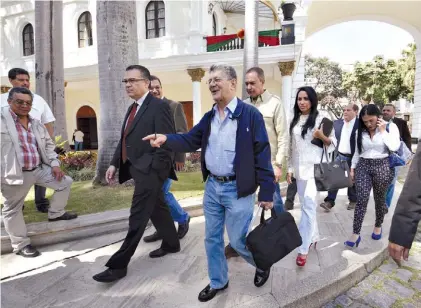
379, 146
40, 109
79, 136
344, 144
139, 103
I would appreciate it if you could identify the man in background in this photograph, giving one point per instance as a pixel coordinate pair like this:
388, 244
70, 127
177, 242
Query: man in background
345, 135
389, 115
78, 135
178, 214
40, 111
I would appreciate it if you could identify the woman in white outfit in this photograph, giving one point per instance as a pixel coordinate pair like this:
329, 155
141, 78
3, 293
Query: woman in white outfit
302, 157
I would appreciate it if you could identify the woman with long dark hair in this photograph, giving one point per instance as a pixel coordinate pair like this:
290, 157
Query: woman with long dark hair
370, 168
303, 155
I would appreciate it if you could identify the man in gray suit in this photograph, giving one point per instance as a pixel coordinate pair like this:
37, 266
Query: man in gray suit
178, 214
28, 158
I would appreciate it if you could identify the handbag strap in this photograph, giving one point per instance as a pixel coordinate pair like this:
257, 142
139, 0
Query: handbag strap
262, 217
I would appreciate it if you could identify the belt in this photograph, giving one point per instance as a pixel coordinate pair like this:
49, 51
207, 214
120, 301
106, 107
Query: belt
346, 155
29, 170
223, 178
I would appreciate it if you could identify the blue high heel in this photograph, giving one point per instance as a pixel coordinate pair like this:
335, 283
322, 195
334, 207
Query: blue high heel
375, 236
352, 244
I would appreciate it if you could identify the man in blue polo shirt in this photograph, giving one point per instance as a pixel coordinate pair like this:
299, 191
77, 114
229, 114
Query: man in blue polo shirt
235, 161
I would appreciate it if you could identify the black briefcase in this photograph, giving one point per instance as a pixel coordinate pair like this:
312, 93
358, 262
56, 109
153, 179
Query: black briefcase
273, 239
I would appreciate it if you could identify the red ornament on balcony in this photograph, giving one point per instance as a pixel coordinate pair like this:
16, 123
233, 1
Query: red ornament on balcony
240, 33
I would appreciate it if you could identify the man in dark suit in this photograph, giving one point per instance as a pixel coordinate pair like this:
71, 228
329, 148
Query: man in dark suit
389, 112
177, 212
149, 167
407, 213
345, 135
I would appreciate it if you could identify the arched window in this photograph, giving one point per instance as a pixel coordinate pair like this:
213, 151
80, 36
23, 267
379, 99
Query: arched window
155, 19
28, 40
84, 27
214, 29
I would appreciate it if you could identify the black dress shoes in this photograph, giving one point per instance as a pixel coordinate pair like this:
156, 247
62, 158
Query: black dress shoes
28, 252
65, 216
260, 278
110, 275
183, 229
161, 252
152, 238
208, 293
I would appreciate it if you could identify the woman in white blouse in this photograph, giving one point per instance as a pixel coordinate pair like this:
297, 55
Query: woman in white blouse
302, 157
370, 168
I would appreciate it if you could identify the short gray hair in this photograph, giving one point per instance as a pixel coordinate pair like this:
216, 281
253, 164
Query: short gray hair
20, 90
228, 70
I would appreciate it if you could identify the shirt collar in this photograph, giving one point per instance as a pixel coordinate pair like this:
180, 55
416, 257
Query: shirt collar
16, 118
264, 97
142, 99
231, 105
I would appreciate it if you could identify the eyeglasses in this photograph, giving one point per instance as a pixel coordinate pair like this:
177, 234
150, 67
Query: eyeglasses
214, 80
21, 103
132, 80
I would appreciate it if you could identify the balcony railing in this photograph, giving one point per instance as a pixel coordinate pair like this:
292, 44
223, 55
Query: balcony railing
233, 41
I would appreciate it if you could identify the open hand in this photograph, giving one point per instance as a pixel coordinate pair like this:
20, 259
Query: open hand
289, 178
179, 166
398, 253
156, 140
352, 175
278, 174
58, 174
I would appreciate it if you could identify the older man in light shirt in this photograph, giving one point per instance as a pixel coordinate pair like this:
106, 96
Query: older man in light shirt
40, 111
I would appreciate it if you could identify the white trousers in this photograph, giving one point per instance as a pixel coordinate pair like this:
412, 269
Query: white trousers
308, 227
14, 196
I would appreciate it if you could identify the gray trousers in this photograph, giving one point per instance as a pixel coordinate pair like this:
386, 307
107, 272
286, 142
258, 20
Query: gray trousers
14, 196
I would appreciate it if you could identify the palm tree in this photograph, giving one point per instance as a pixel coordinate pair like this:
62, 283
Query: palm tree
49, 66
251, 33
117, 49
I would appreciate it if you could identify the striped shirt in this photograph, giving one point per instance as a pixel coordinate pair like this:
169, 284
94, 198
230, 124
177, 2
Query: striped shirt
29, 156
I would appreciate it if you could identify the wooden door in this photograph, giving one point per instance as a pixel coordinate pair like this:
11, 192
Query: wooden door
188, 111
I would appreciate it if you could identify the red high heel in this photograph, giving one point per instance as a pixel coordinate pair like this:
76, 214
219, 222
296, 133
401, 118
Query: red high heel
301, 260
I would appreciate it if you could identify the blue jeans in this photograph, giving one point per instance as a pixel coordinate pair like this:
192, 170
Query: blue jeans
177, 213
391, 189
222, 208
352, 195
78, 146
278, 204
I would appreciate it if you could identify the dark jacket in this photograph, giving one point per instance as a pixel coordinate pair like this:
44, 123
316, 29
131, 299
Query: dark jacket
338, 125
403, 131
154, 116
252, 163
408, 209
180, 122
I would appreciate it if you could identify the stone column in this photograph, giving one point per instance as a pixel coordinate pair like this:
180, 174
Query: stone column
49, 64
196, 75
416, 114
287, 68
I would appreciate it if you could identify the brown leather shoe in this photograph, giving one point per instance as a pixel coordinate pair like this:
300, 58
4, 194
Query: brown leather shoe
326, 205
230, 252
351, 206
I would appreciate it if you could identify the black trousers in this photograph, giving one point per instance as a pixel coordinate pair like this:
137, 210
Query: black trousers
40, 199
148, 203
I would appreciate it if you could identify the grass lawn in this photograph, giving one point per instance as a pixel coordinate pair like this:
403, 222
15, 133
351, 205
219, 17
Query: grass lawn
84, 199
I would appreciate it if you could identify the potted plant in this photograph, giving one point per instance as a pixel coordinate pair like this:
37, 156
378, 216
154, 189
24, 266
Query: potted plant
288, 9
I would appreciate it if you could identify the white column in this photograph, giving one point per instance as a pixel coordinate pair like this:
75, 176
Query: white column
196, 75
196, 27
286, 69
416, 114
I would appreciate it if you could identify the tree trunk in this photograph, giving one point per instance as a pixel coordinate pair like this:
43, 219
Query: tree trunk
49, 66
117, 49
251, 34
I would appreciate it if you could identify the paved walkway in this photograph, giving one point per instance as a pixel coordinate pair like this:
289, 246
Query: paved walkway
61, 276
388, 286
